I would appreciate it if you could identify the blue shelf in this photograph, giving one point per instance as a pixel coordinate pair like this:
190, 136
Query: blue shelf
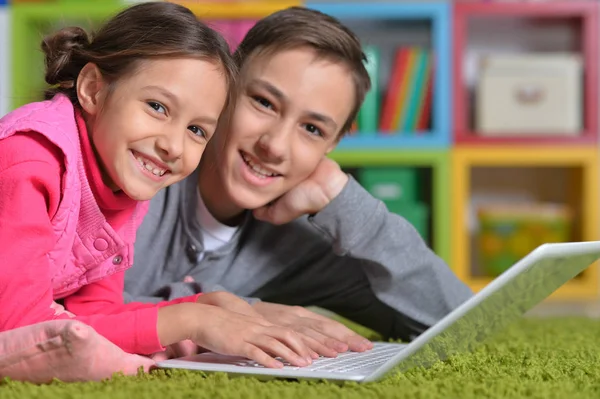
440, 15
383, 141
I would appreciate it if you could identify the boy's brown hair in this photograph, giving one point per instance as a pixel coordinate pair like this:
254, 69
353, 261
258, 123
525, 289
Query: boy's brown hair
302, 27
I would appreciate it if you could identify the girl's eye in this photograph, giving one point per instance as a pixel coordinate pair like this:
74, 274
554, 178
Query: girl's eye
312, 129
263, 101
198, 131
157, 107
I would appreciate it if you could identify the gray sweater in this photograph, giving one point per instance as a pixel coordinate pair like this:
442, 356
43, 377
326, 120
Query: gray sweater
344, 258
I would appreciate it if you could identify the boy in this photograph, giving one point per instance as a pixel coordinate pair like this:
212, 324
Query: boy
315, 237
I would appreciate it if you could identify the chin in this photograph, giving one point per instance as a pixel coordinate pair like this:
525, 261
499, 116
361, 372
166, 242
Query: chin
247, 199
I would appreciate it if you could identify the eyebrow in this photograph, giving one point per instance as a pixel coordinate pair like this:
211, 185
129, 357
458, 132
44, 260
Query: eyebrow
172, 97
281, 97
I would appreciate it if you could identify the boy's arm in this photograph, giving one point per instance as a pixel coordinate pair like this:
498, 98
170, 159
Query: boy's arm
404, 273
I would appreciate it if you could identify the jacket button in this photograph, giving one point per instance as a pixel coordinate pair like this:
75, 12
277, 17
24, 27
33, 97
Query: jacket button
100, 244
117, 260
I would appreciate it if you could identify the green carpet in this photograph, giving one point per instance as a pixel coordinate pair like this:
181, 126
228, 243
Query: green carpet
535, 358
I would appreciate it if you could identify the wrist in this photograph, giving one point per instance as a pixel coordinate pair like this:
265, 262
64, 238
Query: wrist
176, 323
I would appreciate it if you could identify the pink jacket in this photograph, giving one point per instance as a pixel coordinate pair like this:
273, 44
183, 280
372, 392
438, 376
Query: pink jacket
88, 257
87, 248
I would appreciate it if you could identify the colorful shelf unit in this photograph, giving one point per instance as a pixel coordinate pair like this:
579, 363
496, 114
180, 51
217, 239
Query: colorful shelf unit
5, 43
581, 14
579, 189
439, 164
30, 21
236, 10
438, 16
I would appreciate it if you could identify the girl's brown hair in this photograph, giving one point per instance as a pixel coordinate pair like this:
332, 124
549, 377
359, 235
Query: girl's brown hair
143, 31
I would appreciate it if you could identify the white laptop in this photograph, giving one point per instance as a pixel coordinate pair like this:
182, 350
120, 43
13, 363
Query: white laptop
504, 300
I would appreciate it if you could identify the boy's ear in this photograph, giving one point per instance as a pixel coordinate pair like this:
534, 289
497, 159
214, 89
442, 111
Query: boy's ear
89, 88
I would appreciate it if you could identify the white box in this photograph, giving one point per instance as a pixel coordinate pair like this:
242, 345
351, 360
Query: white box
530, 94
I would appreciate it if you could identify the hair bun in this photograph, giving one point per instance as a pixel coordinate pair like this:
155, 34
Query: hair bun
61, 50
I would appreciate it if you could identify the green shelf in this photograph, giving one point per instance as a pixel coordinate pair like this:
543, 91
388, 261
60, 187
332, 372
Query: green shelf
30, 23
439, 163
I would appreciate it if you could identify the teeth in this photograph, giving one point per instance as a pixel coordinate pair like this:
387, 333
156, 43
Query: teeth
259, 170
150, 167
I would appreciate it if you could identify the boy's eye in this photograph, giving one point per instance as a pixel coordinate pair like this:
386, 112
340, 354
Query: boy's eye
198, 131
263, 101
312, 129
157, 107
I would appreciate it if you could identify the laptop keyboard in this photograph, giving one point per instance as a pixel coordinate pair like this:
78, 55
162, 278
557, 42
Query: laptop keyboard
347, 361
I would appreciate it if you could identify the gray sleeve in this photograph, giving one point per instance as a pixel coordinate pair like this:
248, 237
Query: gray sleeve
179, 290
404, 273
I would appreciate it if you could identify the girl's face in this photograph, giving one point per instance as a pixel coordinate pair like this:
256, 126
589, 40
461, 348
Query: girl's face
149, 130
289, 112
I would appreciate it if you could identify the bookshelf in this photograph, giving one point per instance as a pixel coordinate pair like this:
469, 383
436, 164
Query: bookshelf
543, 167
375, 23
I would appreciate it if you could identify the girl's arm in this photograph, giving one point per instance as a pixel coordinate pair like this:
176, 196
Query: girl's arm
30, 193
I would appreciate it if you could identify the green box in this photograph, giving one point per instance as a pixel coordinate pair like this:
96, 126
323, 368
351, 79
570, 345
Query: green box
416, 214
391, 185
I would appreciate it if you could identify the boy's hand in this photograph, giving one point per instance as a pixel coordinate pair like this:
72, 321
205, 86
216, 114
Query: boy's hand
308, 197
228, 301
230, 333
328, 336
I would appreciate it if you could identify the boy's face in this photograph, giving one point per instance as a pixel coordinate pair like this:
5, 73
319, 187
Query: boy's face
288, 115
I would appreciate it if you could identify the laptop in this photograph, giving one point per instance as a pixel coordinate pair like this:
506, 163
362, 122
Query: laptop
501, 302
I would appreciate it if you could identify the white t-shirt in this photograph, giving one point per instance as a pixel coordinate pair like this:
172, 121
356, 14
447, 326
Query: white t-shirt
215, 233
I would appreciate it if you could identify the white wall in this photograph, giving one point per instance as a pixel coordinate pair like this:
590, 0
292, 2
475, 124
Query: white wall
4, 61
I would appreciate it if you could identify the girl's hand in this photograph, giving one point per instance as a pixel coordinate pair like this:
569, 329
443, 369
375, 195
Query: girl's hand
231, 333
228, 301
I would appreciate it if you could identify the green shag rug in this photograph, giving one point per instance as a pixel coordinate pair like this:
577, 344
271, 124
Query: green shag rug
535, 358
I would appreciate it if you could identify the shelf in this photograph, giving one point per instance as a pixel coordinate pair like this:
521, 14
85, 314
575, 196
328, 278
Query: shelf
383, 20
562, 16
236, 10
29, 22
437, 160
560, 175
5, 79
397, 140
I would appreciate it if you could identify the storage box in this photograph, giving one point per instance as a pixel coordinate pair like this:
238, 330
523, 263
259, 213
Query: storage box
391, 185
530, 94
508, 233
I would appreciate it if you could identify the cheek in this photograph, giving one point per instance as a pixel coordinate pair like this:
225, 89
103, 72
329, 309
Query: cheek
304, 162
247, 124
192, 157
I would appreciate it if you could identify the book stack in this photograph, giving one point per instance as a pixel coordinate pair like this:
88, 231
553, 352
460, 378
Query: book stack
406, 104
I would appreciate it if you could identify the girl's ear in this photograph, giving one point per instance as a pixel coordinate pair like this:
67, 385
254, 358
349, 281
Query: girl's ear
89, 88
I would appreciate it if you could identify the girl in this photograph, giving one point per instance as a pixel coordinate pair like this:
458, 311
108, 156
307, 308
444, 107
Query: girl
129, 112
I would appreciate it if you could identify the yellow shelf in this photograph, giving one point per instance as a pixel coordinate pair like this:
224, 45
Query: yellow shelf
238, 10
586, 193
